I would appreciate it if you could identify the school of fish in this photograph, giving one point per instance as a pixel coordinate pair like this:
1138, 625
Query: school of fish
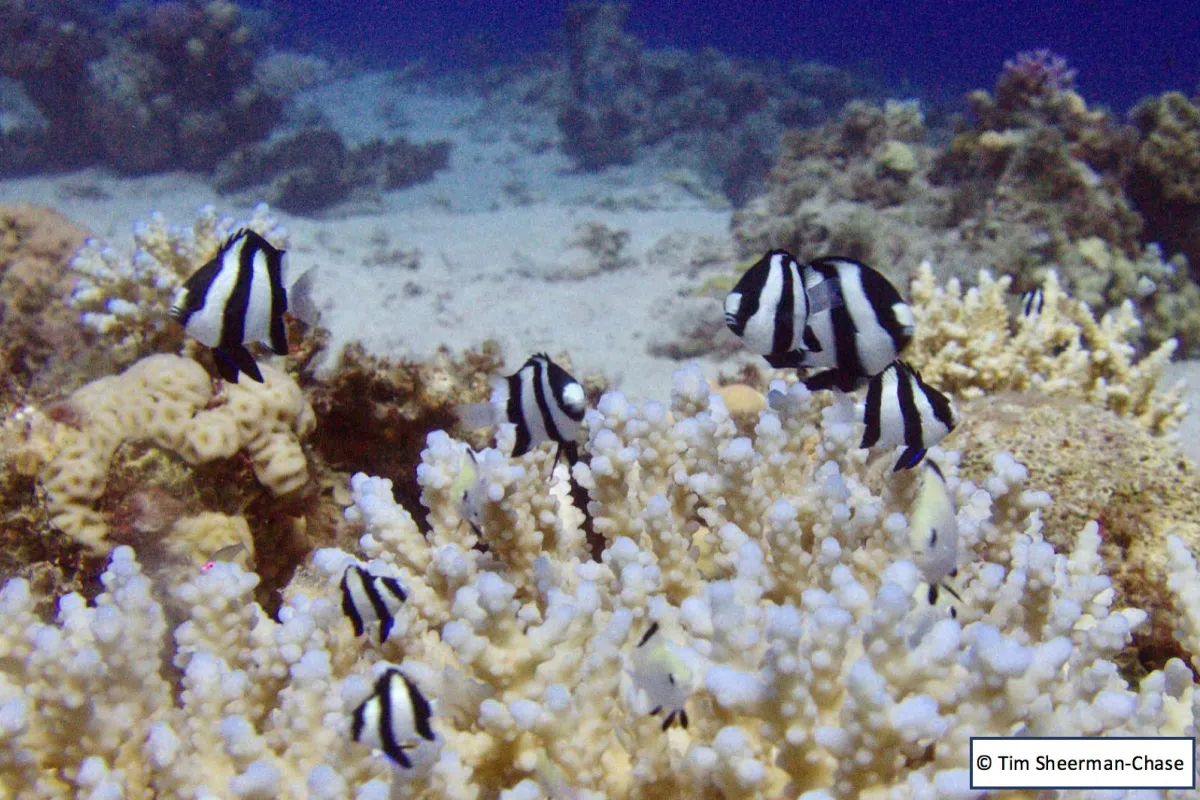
839, 323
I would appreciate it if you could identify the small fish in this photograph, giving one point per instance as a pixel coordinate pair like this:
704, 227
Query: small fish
901, 409
933, 527
393, 716
469, 492
663, 675
768, 308
368, 598
239, 297
939, 596
860, 328
541, 400
224, 554
1032, 303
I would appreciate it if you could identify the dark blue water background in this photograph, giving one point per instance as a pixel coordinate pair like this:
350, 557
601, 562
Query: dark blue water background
939, 50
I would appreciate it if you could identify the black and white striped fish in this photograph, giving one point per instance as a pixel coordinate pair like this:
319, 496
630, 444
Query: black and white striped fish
367, 599
240, 296
664, 676
1032, 302
541, 400
862, 327
393, 717
768, 308
901, 409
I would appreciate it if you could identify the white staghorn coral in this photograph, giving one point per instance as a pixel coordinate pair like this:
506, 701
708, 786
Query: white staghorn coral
775, 564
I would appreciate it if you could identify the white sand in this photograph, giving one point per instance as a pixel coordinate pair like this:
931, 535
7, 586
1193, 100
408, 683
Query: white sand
493, 232
494, 237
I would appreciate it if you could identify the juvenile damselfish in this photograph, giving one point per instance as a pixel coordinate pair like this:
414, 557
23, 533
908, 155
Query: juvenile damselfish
240, 296
368, 598
836, 316
663, 675
541, 400
933, 526
393, 717
768, 308
901, 409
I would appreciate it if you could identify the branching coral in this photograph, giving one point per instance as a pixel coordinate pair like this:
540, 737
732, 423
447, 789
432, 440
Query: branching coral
777, 564
968, 343
126, 300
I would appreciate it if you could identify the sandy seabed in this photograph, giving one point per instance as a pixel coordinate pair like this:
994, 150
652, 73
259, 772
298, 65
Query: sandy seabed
491, 248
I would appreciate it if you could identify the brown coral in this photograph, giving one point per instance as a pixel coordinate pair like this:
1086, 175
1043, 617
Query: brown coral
42, 344
373, 414
1165, 181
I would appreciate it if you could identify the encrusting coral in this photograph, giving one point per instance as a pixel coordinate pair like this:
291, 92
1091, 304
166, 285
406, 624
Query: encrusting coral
169, 402
776, 563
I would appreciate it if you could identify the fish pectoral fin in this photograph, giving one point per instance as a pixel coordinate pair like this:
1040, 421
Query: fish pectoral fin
238, 358
910, 458
793, 359
476, 415
831, 379
300, 300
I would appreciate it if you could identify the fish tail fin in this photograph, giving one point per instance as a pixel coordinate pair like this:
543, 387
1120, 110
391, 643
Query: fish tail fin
300, 299
476, 415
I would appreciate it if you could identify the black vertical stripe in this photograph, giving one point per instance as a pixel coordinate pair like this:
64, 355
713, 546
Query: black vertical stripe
348, 607
233, 317
196, 287
515, 413
420, 709
359, 722
653, 629
873, 411
539, 395
377, 604
784, 333
905, 379
387, 734
883, 297
393, 586
750, 287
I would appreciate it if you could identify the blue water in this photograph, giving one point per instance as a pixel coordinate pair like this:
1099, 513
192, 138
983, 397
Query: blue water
940, 50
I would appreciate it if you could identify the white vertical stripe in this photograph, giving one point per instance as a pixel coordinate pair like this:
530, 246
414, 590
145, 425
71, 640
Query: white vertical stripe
205, 325
258, 313
530, 410
759, 334
891, 416
875, 347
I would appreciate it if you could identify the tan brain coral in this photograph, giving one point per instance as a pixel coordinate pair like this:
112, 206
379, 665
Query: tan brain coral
169, 402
